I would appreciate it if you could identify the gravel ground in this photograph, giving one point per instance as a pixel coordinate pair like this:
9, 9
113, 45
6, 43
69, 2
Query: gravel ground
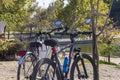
8, 71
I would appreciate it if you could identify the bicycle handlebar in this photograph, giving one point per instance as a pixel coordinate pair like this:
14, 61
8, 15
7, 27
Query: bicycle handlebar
83, 33
49, 33
73, 34
65, 32
79, 32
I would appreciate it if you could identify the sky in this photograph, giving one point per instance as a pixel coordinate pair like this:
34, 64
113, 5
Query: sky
44, 3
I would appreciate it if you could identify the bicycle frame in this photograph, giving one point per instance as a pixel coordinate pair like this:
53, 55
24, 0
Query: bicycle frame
54, 57
57, 61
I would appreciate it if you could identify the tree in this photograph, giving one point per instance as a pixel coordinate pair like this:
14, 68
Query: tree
107, 36
72, 14
96, 18
45, 18
16, 12
77, 11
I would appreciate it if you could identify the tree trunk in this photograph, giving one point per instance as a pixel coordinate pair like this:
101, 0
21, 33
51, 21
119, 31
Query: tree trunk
8, 34
21, 36
109, 58
95, 52
94, 43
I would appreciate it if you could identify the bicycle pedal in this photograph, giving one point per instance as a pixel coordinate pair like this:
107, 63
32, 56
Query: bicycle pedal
66, 79
26, 77
82, 76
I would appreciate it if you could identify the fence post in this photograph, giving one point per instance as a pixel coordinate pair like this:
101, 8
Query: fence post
2, 30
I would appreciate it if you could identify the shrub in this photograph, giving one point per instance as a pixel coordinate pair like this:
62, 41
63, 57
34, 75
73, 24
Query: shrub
105, 49
116, 52
113, 49
11, 47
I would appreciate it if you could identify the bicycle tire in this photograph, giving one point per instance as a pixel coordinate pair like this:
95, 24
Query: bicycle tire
90, 64
32, 58
41, 64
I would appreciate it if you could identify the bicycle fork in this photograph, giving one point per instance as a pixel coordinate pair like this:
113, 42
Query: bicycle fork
85, 75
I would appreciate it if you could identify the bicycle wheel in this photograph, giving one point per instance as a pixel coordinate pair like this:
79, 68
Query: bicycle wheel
83, 69
25, 67
45, 70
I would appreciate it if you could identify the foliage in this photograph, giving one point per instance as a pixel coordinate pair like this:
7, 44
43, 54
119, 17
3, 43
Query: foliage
45, 18
109, 34
15, 12
105, 49
11, 47
41, 19
112, 49
75, 13
118, 66
116, 52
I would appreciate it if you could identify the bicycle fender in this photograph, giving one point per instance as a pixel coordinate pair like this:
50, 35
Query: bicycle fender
21, 60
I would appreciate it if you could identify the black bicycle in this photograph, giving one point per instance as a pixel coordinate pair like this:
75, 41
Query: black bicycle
29, 58
76, 66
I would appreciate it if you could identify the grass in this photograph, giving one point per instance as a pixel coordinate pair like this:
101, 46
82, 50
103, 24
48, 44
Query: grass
111, 63
85, 47
108, 63
0, 63
118, 66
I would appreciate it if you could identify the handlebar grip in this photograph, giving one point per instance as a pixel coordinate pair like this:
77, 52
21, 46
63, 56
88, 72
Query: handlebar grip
38, 34
59, 28
58, 33
84, 33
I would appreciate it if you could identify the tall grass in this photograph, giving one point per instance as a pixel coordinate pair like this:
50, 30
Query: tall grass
87, 48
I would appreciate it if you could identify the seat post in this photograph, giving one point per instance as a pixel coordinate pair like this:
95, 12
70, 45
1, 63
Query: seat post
53, 50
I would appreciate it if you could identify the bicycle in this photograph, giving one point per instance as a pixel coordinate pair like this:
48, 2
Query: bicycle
29, 58
51, 67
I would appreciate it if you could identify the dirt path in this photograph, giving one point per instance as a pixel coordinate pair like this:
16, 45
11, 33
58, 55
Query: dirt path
108, 72
8, 71
114, 60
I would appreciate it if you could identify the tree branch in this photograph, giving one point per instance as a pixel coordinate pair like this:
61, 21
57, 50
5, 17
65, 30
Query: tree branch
106, 20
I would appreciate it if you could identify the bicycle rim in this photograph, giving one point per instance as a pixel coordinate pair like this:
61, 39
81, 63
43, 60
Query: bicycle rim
26, 68
78, 71
44, 70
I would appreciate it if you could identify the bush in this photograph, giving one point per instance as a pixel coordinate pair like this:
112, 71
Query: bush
11, 47
116, 52
105, 49
113, 49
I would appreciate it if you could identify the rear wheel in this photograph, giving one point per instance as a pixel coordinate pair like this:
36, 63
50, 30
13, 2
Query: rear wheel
45, 70
83, 68
25, 68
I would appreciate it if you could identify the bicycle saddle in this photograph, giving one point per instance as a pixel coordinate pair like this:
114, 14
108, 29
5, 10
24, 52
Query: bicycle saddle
35, 44
51, 42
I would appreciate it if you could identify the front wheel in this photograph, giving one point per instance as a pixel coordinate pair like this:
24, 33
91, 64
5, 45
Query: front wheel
45, 69
83, 68
25, 67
